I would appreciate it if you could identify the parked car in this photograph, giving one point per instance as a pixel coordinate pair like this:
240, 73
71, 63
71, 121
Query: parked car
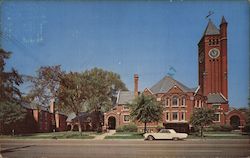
165, 134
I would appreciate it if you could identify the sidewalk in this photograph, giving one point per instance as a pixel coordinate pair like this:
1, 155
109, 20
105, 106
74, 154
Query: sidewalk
102, 136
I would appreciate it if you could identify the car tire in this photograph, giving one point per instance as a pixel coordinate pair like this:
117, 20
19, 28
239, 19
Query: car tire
151, 137
175, 138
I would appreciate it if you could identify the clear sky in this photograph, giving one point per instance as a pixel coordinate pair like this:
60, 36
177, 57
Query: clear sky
126, 37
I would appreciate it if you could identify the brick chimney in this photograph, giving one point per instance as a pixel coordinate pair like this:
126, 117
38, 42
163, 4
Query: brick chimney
136, 78
52, 105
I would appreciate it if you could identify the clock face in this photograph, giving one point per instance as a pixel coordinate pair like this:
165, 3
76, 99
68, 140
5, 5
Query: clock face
214, 53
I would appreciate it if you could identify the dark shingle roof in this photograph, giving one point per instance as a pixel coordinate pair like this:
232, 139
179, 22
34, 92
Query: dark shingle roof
125, 97
165, 84
215, 98
211, 29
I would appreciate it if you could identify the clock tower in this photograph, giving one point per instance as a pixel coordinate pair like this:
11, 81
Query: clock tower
212, 60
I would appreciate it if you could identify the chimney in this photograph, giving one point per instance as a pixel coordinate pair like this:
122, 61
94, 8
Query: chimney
136, 78
52, 105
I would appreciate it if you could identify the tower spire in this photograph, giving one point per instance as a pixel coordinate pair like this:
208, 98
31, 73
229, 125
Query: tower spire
223, 20
211, 29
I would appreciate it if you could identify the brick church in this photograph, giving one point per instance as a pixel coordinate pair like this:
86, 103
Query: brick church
178, 100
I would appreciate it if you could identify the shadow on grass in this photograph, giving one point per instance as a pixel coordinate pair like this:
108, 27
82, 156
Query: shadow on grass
56, 135
14, 149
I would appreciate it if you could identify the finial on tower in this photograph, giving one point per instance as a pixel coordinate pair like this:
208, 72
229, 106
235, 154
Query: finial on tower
209, 14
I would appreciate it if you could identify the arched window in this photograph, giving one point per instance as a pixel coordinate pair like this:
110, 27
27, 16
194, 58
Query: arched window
175, 101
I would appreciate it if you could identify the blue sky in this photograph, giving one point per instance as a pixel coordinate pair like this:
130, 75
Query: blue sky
126, 37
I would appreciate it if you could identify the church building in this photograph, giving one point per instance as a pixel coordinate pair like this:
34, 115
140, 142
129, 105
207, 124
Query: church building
178, 100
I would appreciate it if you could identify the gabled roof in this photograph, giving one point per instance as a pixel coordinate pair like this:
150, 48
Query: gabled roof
216, 98
125, 97
165, 84
211, 29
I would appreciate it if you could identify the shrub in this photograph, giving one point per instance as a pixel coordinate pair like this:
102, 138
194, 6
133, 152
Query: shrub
127, 128
247, 128
215, 127
159, 127
119, 129
224, 128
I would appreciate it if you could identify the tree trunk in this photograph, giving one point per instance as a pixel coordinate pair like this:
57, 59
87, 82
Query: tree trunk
201, 131
79, 125
97, 115
145, 127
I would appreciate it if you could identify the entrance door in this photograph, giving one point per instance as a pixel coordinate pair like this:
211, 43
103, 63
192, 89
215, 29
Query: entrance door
235, 122
111, 122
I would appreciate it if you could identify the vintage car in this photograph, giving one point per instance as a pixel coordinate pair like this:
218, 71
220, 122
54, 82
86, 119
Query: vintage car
165, 134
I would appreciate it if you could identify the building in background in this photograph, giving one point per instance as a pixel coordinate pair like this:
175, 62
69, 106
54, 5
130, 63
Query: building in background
178, 100
39, 119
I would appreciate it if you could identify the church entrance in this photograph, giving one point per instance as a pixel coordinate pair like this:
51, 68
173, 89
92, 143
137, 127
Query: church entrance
111, 122
235, 121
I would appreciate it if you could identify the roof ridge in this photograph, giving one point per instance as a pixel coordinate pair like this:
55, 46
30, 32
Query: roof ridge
166, 83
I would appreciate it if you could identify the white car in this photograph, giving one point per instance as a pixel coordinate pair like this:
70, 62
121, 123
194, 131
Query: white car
165, 134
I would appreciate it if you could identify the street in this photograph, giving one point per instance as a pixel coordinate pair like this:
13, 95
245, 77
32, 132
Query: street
124, 148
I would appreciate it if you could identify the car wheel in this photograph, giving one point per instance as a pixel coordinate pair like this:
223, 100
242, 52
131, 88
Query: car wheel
175, 138
151, 137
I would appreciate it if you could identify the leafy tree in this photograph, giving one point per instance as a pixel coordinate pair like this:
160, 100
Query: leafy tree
87, 91
145, 109
10, 96
247, 126
9, 81
202, 117
73, 93
104, 85
45, 85
10, 113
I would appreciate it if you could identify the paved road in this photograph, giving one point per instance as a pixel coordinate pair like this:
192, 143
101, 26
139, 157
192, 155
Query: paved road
124, 148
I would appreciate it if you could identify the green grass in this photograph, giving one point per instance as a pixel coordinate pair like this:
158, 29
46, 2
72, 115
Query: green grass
219, 135
207, 135
56, 135
125, 135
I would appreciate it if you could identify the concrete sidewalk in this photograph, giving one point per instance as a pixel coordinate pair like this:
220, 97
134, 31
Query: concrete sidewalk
102, 136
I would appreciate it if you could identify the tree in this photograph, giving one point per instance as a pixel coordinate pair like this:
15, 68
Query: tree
104, 86
44, 86
145, 109
10, 113
9, 81
73, 93
91, 90
10, 96
247, 126
202, 117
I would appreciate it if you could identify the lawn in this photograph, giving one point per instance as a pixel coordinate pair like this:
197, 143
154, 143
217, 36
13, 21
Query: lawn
55, 135
125, 135
219, 135
207, 135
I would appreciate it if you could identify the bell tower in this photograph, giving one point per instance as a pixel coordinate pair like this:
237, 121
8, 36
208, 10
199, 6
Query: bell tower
212, 56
